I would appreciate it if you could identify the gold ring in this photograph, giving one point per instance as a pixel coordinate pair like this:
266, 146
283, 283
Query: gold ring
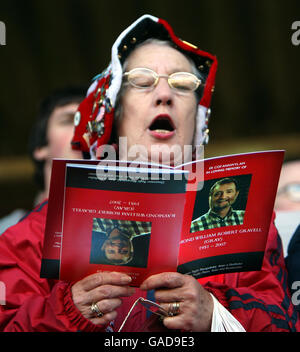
96, 311
173, 309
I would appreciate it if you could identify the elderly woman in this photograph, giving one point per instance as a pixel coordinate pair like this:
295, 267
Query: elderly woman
156, 92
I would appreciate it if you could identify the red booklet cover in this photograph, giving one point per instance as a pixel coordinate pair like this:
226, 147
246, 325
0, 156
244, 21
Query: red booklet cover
126, 220
212, 244
53, 230
170, 223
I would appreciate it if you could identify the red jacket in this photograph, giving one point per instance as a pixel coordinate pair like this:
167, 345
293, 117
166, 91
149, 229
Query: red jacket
259, 300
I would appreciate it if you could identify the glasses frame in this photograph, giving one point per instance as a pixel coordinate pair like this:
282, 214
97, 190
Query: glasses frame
150, 306
156, 77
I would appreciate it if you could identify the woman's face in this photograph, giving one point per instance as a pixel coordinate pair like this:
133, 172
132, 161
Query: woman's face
157, 118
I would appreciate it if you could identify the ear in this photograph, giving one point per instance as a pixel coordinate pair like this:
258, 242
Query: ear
41, 153
237, 194
209, 201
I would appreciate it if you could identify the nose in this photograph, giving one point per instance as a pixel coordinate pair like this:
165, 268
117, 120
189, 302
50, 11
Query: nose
163, 93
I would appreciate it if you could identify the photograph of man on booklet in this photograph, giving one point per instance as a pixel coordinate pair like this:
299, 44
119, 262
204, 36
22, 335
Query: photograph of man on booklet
115, 242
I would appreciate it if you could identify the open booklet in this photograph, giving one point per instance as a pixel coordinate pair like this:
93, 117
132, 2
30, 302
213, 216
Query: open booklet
203, 218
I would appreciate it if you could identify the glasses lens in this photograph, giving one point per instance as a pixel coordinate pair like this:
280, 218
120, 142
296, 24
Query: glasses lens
141, 78
184, 81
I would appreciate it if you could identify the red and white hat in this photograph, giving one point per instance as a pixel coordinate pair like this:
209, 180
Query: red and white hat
95, 116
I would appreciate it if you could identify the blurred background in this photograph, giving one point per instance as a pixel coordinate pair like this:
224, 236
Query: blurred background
53, 44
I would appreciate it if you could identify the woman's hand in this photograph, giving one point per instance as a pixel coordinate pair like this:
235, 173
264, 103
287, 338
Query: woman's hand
103, 289
195, 303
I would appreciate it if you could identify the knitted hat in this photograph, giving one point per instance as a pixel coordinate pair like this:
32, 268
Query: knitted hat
94, 118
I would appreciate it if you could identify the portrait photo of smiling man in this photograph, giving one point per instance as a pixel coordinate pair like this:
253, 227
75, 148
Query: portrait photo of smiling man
222, 196
120, 242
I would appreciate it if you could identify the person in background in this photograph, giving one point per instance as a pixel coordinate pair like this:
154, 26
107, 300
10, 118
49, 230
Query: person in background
160, 89
50, 138
287, 206
287, 202
288, 194
52, 133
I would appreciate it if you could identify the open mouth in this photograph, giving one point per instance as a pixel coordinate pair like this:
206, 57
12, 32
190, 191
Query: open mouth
162, 124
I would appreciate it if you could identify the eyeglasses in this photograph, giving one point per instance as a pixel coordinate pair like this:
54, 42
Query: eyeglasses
292, 190
150, 306
144, 78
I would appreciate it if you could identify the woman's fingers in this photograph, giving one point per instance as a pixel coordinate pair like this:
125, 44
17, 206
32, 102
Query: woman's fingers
109, 291
182, 296
104, 290
163, 280
104, 278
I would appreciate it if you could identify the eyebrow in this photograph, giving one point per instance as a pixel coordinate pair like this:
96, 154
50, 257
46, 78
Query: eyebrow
69, 114
181, 70
174, 70
230, 189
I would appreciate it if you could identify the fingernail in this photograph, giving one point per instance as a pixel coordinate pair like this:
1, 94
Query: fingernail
126, 279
